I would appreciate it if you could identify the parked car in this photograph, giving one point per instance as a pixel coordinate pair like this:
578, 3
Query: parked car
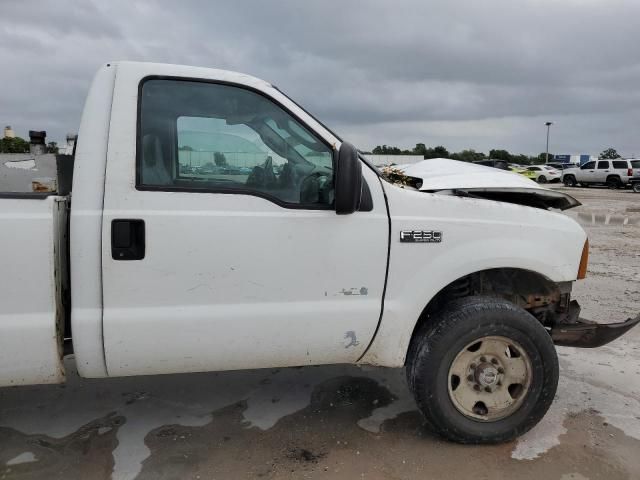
465, 282
501, 164
561, 166
613, 173
542, 173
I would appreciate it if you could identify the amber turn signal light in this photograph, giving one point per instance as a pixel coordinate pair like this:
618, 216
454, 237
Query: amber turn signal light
584, 261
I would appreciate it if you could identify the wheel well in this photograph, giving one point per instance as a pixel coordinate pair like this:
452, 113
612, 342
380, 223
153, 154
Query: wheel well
534, 292
617, 177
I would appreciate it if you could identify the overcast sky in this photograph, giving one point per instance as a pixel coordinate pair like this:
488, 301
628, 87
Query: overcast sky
464, 74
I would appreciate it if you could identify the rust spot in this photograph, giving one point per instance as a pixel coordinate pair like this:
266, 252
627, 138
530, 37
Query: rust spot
43, 186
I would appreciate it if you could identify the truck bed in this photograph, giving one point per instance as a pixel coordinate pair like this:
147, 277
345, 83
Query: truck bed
33, 242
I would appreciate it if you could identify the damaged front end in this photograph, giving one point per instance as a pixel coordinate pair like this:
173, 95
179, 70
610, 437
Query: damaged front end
451, 177
531, 197
574, 331
548, 302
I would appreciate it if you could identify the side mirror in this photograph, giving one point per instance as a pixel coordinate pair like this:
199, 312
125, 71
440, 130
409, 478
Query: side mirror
348, 180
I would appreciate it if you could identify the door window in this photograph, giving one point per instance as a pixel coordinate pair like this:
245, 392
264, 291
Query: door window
211, 137
603, 165
588, 166
619, 164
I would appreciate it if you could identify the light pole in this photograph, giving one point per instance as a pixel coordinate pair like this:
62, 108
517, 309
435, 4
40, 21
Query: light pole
548, 124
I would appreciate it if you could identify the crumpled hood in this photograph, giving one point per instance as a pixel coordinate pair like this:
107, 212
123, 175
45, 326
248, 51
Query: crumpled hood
479, 181
444, 174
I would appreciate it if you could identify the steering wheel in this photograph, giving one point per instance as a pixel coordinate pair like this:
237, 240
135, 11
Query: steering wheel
262, 175
317, 188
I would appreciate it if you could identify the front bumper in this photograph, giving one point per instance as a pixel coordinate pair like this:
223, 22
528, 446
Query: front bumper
586, 333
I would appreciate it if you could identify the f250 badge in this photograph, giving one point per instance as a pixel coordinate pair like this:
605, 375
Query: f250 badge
420, 236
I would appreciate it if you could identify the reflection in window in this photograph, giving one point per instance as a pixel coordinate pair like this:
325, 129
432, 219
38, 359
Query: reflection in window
212, 137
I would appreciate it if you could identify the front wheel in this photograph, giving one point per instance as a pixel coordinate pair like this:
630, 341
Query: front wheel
570, 181
542, 179
485, 371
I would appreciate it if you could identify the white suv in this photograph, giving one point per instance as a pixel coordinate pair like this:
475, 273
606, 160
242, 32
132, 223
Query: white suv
613, 173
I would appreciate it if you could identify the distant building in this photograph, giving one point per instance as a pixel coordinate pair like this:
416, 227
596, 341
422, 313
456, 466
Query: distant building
37, 142
8, 132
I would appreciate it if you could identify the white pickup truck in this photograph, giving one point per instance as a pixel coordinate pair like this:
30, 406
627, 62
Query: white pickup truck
214, 224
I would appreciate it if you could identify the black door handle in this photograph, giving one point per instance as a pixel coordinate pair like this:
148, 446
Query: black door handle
127, 239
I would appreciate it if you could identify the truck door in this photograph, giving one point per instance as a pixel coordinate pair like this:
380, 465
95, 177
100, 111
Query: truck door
602, 171
586, 173
221, 249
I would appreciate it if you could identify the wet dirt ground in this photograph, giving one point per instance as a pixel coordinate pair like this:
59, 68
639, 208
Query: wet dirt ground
344, 422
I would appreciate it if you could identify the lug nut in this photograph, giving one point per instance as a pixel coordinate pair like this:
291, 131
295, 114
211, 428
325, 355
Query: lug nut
487, 389
483, 359
470, 378
501, 370
476, 387
499, 384
494, 361
473, 366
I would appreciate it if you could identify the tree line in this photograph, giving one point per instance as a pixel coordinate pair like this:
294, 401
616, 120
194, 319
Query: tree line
470, 155
20, 145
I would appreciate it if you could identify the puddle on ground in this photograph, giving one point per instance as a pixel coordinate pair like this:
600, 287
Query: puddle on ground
342, 419
604, 219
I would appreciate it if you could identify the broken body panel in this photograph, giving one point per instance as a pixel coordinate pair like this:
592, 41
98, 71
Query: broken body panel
464, 179
588, 334
573, 331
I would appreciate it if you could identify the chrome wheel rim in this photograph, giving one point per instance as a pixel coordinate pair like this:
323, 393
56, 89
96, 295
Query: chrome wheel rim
489, 378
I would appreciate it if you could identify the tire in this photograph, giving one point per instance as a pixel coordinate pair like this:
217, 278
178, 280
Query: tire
542, 179
636, 187
570, 181
434, 358
614, 183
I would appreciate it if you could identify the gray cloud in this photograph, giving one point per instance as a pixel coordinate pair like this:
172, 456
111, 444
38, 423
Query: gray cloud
463, 74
